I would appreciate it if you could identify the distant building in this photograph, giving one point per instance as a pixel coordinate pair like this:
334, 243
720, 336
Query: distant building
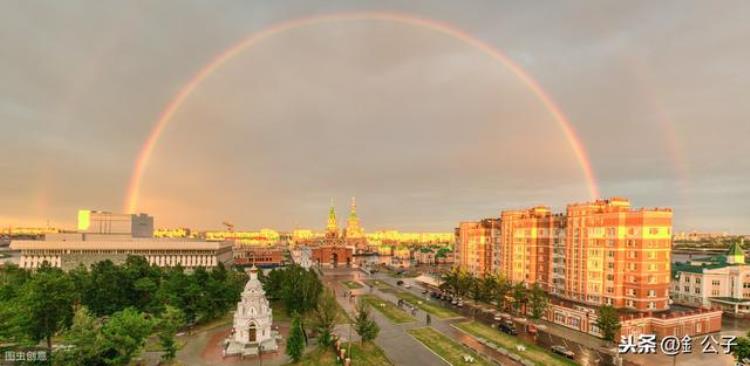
720, 281
302, 256
264, 257
100, 222
425, 256
69, 254
107, 236
699, 235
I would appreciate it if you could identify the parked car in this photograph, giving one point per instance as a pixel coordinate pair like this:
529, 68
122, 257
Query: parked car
408, 285
399, 282
507, 328
562, 351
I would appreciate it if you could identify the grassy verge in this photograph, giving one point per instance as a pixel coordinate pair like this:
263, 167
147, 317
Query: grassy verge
218, 322
380, 285
280, 315
352, 284
391, 311
534, 353
445, 347
427, 305
366, 354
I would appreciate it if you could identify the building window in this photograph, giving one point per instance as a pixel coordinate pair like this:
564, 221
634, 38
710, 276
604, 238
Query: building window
716, 282
651, 293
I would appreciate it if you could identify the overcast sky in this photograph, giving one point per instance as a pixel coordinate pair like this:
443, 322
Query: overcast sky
424, 129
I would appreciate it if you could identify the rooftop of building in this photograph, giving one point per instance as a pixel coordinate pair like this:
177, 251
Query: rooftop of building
674, 311
712, 262
730, 300
133, 244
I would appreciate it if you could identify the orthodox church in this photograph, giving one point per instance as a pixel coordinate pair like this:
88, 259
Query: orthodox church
252, 333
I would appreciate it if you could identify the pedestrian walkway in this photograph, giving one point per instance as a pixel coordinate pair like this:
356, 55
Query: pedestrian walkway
446, 327
400, 347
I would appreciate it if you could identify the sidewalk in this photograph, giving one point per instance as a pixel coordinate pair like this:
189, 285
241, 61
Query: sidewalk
400, 347
445, 326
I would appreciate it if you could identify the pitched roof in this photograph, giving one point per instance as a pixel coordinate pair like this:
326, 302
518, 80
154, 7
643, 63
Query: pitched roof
736, 249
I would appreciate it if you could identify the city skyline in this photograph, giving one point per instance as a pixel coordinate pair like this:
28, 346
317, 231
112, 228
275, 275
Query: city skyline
407, 110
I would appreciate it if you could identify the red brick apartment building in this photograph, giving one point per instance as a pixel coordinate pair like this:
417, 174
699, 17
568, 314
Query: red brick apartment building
618, 256
474, 245
528, 241
597, 253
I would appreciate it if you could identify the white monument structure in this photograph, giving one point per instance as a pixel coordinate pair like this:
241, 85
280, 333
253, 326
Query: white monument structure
252, 333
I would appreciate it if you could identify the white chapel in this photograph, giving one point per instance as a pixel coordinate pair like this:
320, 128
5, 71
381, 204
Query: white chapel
252, 333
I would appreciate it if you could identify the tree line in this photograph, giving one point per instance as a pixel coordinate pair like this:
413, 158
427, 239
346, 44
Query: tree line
104, 314
518, 298
311, 305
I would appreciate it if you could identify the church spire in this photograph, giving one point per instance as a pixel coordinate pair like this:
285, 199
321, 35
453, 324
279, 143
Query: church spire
353, 230
332, 228
353, 210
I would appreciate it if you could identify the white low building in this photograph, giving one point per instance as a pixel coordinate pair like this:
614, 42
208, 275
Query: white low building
68, 254
722, 281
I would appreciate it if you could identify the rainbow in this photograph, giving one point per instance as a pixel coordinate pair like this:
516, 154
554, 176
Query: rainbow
131, 200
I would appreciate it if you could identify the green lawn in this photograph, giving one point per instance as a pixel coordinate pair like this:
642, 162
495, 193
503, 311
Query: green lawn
352, 284
380, 285
218, 322
534, 353
366, 354
445, 347
390, 310
429, 306
280, 315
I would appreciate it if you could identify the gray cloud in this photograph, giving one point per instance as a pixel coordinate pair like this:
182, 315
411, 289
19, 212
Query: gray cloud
425, 130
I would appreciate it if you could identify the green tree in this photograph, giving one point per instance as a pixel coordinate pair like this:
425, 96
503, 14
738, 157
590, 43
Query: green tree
143, 281
475, 288
108, 289
538, 300
85, 341
489, 285
608, 322
519, 293
741, 351
364, 325
46, 304
12, 279
324, 317
502, 290
124, 334
295, 345
171, 321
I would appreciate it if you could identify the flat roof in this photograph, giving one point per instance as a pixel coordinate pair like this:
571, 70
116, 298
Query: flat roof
135, 244
729, 300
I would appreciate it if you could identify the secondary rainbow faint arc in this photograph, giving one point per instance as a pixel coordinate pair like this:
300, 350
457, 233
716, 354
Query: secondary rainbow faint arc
131, 201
